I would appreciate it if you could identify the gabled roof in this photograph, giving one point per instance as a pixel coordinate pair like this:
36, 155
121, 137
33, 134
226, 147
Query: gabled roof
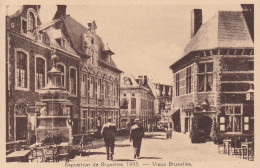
226, 29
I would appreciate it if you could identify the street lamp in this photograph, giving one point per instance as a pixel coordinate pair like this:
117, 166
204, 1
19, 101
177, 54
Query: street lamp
250, 93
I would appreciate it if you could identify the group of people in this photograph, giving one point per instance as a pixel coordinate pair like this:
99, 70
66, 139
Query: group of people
108, 132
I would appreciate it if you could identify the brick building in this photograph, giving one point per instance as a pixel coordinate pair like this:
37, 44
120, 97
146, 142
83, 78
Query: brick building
137, 101
89, 73
213, 77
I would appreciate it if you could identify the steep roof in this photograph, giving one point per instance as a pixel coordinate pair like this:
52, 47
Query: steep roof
226, 29
75, 31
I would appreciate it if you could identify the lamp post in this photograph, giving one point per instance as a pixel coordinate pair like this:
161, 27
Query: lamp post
250, 94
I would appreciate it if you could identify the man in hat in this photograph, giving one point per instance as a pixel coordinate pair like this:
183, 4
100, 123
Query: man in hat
136, 134
109, 133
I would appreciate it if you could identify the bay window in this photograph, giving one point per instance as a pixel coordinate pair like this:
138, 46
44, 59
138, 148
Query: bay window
205, 77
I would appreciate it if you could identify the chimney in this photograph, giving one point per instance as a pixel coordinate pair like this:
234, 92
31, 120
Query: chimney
248, 11
140, 79
61, 11
145, 80
196, 21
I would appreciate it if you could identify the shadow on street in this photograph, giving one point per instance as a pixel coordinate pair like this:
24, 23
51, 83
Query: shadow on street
123, 160
151, 158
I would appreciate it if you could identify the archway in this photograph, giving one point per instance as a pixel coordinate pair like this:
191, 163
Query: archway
204, 124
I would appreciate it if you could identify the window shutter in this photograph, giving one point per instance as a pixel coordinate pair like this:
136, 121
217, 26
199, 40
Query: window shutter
222, 123
246, 123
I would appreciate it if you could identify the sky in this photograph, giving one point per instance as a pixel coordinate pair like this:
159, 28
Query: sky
146, 38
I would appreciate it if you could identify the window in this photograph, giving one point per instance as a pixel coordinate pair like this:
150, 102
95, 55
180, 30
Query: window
188, 80
73, 81
111, 90
99, 91
102, 90
117, 91
31, 21
177, 81
205, 77
91, 91
84, 85
21, 69
106, 90
61, 42
95, 87
133, 103
63, 77
233, 118
40, 73
251, 65
124, 103
24, 26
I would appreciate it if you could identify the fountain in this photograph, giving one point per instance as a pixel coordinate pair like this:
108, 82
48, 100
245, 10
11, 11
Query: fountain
55, 118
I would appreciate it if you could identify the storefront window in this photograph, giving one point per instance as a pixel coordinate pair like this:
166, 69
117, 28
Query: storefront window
233, 118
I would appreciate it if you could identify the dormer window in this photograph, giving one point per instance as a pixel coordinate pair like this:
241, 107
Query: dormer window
28, 24
61, 42
31, 22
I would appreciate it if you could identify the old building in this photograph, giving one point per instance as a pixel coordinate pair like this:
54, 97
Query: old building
88, 71
216, 72
28, 53
99, 76
137, 101
162, 103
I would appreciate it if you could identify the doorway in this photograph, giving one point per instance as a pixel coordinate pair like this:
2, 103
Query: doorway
204, 124
187, 124
21, 128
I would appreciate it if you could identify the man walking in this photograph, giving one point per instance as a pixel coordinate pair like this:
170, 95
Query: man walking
136, 134
109, 133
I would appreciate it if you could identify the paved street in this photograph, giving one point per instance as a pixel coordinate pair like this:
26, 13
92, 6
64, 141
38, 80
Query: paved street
178, 151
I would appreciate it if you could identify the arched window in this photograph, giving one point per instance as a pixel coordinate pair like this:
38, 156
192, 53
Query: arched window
40, 73
31, 22
21, 70
73, 81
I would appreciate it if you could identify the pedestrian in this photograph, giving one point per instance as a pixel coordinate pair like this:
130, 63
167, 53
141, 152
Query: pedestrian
136, 134
166, 131
170, 133
109, 133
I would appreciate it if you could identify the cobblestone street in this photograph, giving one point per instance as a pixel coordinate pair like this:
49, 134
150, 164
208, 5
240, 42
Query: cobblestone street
157, 151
